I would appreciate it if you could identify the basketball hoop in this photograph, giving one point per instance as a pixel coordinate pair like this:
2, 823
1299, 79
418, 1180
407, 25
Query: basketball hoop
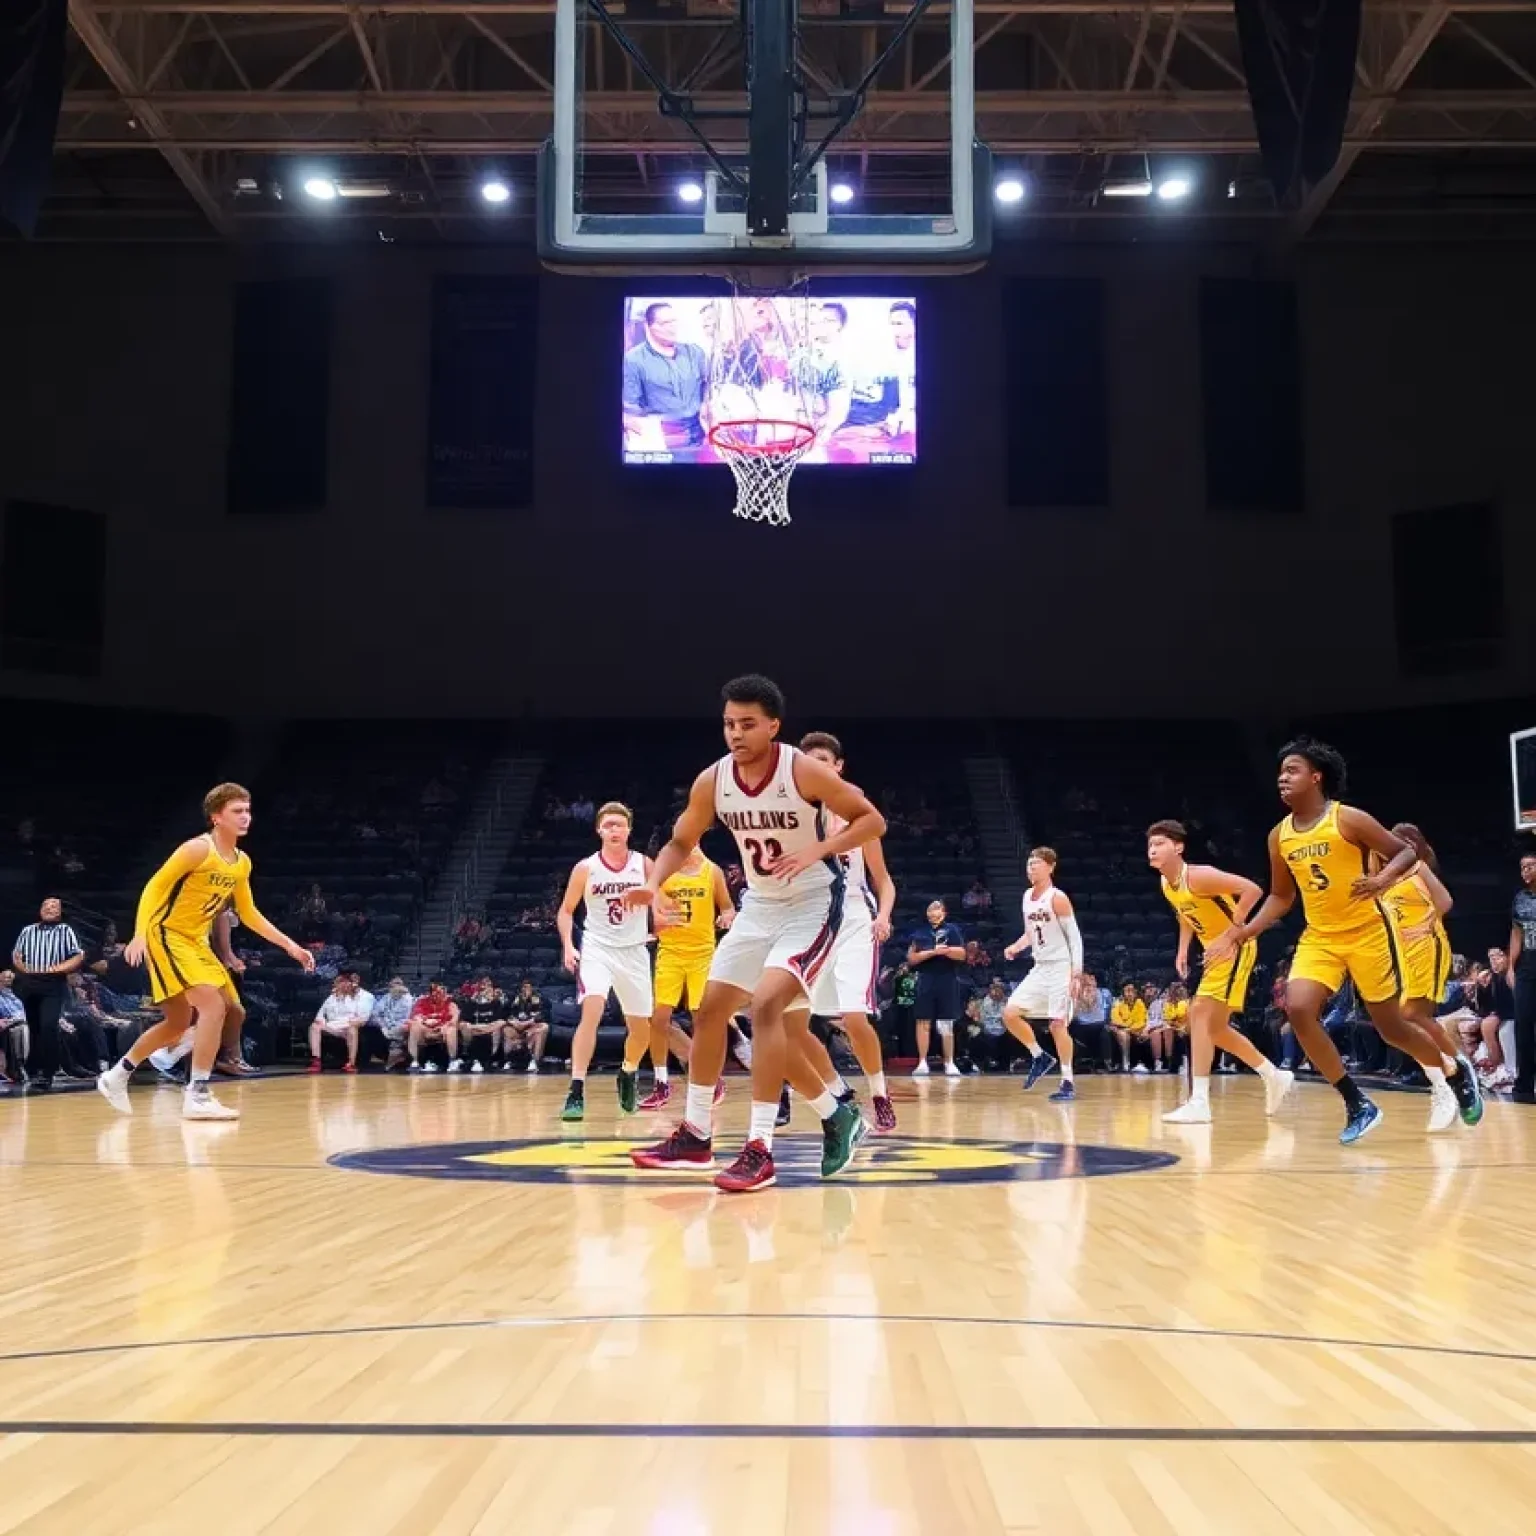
762, 455
762, 389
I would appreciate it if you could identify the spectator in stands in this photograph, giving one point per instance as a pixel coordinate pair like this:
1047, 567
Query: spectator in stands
13, 1030
470, 937
1128, 1023
1090, 1018
735, 882
90, 1030
978, 898
342, 1015
527, 1027
994, 1048
1176, 1023
483, 1020
434, 1019
46, 952
390, 1022
1158, 1036
1495, 1005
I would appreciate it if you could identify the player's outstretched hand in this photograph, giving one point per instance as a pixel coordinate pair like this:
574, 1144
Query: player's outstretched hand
134, 951
639, 896
1222, 945
726, 918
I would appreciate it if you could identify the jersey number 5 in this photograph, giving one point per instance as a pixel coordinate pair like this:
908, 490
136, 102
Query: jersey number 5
763, 853
1319, 879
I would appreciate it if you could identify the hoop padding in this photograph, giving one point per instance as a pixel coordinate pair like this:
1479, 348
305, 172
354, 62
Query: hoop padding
762, 455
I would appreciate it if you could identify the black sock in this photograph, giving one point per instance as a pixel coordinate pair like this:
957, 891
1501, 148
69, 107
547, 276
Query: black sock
1349, 1091
578, 1088
127, 1066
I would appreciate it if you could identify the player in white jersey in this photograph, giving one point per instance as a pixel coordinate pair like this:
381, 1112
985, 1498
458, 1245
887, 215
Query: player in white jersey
1052, 938
845, 990
773, 799
613, 956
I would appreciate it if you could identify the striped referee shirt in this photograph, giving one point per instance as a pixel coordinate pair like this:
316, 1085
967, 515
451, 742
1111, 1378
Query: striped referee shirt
40, 946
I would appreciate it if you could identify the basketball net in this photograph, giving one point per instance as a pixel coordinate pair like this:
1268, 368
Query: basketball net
762, 395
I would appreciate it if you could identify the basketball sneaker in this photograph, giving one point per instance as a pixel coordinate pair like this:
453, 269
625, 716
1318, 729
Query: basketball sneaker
658, 1098
920, 1070
840, 1138
782, 1118
203, 1106
575, 1103
1038, 1067
315, 1065
1442, 1107
1066, 1094
629, 1091
112, 1085
1362, 1122
684, 1148
885, 1114
753, 1169
1468, 1091
1276, 1086
1190, 1112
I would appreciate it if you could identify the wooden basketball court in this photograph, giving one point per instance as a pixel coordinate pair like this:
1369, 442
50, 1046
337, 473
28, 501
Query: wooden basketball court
1012, 1318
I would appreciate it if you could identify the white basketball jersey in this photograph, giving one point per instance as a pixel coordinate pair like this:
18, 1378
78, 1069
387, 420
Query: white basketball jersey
770, 820
609, 921
1048, 944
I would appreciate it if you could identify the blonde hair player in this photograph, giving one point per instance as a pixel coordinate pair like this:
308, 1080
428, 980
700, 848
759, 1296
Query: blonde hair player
1208, 901
187, 980
1051, 935
846, 990
689, 908
773, 800
613, 955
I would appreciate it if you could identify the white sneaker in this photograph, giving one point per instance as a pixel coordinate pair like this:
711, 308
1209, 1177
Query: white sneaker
1275, 1089
455, 1065
431, 1066
1138, 1070
531, 1070
415, 1066
203, 1106
113, 1087
476, 1069
1442, 1107
920, 1070
1190, 1112
951, 1070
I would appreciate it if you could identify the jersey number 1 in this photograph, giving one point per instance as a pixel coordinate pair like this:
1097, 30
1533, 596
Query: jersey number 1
762, 853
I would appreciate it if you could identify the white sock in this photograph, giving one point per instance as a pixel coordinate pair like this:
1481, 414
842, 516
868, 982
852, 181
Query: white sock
1436, 1076
1266, 1068
699, 1109
1200, 1090
1066, 1074
824, 1104
837, 1085
1034, 1049
877, 1084
761, 1125
579, 1077
659, 1073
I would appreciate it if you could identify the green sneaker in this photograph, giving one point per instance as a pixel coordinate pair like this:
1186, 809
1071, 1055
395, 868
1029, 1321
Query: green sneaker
575, 1104
840, 1137
629, 1090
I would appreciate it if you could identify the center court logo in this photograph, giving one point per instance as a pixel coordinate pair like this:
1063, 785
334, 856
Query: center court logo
884, 1160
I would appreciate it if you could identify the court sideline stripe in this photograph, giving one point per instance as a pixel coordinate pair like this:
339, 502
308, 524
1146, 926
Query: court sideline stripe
1064, 1325
1006, 1432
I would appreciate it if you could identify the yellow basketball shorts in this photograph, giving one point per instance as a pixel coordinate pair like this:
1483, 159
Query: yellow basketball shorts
1427, 966
1371, 956
1227, 980
176, 962
680, 975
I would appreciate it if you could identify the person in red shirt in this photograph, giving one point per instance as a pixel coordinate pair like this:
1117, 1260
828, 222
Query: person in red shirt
435, 1017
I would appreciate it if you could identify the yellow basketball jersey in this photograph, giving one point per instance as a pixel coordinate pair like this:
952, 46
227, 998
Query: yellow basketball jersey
1410, 901
201, 894
1325, 865
693, 898
1206, 915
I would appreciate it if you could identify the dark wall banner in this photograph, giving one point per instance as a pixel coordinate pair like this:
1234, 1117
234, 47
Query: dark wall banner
31, 88
480, 417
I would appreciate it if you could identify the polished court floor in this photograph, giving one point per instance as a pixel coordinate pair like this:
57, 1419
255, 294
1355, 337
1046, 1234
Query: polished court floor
424, 1306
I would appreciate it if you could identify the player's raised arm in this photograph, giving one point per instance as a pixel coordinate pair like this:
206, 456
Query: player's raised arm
565, 918
1062, 907
158, 892
1397, 856
884, 886
1279, 901
821, 785
725, 908
697, 818
250, 915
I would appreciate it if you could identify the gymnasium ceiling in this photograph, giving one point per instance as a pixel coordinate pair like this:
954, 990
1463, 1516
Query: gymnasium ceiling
199, 119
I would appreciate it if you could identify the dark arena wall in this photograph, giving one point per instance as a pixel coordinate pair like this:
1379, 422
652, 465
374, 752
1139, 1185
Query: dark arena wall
894, 593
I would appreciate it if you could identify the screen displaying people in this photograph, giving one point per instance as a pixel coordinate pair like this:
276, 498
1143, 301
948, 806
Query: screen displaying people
768, 368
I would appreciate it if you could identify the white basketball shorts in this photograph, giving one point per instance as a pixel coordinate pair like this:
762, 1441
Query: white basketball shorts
791, 933
625, 972
847, 981
1046, 993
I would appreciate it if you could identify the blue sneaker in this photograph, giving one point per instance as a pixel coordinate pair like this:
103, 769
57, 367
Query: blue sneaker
1361, 1123
1066, 1094
1038, 1067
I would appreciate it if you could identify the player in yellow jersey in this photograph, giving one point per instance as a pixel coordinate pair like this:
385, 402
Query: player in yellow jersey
1322, 850
1419, 904
691, 905
1209, 901
171, 937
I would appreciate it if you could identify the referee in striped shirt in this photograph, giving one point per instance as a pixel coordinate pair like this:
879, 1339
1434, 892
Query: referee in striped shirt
46, 952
